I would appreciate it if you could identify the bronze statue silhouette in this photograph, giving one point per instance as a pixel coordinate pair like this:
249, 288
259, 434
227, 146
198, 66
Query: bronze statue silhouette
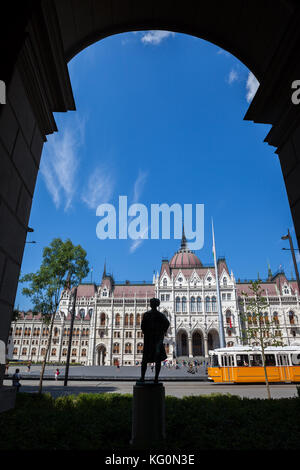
154, 327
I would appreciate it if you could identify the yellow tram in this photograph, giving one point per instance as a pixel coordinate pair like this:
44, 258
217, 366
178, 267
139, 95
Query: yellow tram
243, 364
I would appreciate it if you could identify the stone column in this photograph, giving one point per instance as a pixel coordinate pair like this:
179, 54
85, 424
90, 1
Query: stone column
148, 415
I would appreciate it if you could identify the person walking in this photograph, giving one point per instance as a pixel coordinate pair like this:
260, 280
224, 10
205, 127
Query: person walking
16, 379
56, 374
29, 366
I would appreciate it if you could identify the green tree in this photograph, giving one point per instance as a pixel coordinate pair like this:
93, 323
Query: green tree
256, 324
64, 265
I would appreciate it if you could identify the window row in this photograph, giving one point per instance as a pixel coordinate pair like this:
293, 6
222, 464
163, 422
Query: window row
196, 304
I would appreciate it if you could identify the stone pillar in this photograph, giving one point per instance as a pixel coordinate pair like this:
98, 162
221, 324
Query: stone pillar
205, 345
148, 414
190, 352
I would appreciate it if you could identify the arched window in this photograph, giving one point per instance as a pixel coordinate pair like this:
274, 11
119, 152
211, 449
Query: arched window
53, 352
81, 313
177, 304
199, 304
43, 352
139, 348
207, 304
266, 317
117, 319
138, 319
33, 352
24, 351
292, 318
116, 348
126, 319
131, 319
55, 332
91, 312
228, 318
102, 319
83, 332
224, 282
165, 282
83, 352
15, 351
214, 304
77, 332
73, 352
87, 332
64, 352
275, 318
193, 304
128, 349
183, 304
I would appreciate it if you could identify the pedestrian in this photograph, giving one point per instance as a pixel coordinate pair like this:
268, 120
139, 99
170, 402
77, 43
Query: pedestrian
28, 366
152, 367
56, 374
6, 367
16, 379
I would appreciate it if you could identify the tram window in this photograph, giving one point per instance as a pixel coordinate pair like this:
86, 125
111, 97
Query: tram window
224, 361
242, 360
295, 359
283, 360
231, 361
255, 360
214, 361
270, 360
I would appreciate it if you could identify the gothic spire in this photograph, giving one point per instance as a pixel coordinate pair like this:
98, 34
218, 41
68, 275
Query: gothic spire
183, 245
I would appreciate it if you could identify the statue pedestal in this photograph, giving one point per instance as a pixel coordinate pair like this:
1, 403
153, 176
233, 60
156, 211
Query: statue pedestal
148, 414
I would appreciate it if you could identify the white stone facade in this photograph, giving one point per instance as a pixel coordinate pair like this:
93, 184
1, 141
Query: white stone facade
107, 321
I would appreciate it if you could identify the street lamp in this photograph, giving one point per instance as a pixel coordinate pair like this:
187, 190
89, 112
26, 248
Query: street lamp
288, 237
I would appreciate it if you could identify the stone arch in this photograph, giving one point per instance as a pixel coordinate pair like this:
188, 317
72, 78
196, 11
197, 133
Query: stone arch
56, 31
197, 343
213, 339
182, 344
101, 355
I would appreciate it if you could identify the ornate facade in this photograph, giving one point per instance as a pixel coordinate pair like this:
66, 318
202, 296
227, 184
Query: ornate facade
108, 316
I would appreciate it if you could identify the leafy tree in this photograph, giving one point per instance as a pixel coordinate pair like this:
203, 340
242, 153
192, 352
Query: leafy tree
256, 325
64, 265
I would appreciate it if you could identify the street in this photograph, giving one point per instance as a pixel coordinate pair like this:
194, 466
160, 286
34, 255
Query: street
176, 389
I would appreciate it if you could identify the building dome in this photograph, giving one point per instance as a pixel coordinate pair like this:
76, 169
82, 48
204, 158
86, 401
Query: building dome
185, 258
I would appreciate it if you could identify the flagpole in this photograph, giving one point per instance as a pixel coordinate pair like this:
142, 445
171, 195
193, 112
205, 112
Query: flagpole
221, 325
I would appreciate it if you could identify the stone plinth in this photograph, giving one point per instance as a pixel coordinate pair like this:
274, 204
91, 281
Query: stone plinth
148, 414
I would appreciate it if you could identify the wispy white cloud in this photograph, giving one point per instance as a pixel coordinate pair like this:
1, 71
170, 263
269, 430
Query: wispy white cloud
137, 191
139, 185
156, 37
99, 188
232, 77
60, 163
223, 52
136, 243
251, 86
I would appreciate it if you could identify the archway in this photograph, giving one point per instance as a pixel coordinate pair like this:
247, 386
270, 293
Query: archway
51, 33
213, 339
101, 355
182, 343
197, 344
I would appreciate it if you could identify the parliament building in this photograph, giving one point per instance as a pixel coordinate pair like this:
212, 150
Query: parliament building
107, 324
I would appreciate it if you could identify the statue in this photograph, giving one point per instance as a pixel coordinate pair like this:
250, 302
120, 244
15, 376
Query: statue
154, 326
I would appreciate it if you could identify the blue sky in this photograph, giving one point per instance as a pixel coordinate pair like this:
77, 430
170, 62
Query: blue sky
160, 119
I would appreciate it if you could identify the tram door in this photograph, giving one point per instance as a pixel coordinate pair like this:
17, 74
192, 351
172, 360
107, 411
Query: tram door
227, 365
283, 362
